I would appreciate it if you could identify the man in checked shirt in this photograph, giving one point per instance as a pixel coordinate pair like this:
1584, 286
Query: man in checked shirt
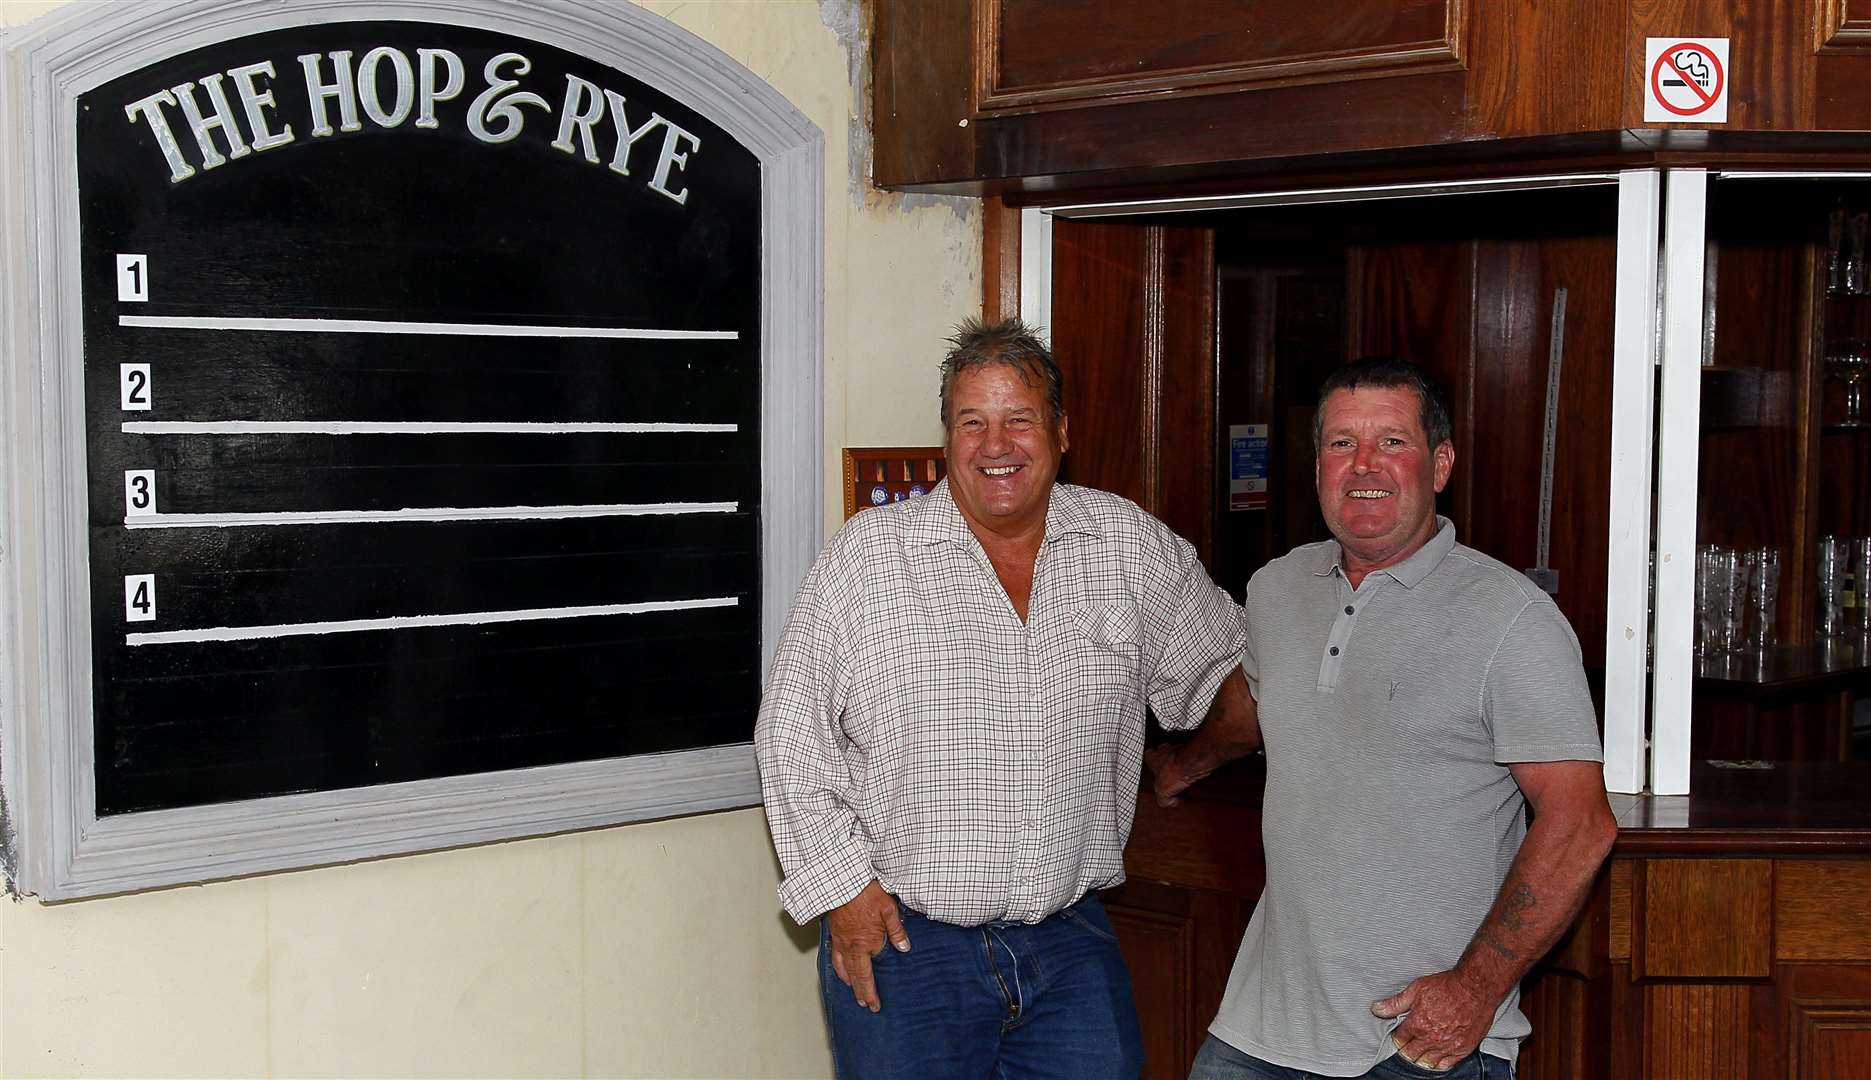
951, 738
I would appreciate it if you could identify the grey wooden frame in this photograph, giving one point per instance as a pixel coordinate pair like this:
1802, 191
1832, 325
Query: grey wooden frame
54, 844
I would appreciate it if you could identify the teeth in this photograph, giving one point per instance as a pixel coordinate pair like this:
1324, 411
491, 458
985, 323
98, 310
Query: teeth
1002, 470
1368, 493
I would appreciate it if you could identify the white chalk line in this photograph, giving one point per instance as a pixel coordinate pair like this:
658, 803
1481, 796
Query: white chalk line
405, 622
386, 326
409, 427
423, 513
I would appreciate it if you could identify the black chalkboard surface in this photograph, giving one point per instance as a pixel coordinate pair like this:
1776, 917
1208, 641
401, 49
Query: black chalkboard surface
424, 441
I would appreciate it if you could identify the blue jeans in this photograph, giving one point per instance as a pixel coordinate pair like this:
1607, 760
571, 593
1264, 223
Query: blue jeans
1219, 1061
1002, 1001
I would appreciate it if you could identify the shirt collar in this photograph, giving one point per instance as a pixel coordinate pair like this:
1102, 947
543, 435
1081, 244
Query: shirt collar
935, 519
1410, 572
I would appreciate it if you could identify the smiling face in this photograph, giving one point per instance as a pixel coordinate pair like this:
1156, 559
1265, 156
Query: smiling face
1378, 476
1003, 451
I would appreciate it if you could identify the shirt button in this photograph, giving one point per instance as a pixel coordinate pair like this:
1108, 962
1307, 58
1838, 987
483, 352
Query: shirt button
1334, 650
1347, 609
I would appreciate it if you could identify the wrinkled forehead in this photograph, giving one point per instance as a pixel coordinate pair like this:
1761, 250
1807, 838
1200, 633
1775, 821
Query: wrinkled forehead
993, 382
1386, 407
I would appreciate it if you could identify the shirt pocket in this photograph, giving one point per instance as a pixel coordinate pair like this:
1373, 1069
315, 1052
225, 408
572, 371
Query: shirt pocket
1108, 641
1113, 625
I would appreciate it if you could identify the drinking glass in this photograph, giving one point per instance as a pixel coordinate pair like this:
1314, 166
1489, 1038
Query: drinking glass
1835, 252
1715, 574
1763, 577
1830, 571
1854, 275
1858, 562
1847, 361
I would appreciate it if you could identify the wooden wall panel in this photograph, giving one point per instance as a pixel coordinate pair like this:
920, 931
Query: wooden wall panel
1695, 1031
1515, 283
1566, 1043
1622, 874
1134, 330
1416, 300
1150, 134
1188, 461
921, 54
1175, 985
1200, 844
1819, 1026
1515, 89
1822, 910
1100, 315
1189, 45
1842, 91
1159, 950
1567, 998
1000, 260
1831, 1042
1704, 918
1844, 466
1770, 58
1842, 26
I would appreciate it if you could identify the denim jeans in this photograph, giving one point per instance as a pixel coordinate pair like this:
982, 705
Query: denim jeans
1002, 1001
1219, 1061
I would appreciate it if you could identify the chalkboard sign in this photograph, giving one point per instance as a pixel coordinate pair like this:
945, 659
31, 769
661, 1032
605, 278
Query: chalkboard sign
410, 428
422, 387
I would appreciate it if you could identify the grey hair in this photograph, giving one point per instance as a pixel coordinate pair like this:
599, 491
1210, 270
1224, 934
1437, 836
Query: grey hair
977, 342
1389, 373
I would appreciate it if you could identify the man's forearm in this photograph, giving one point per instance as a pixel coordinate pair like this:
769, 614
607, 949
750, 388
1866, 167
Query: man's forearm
1545, 889
1230, 730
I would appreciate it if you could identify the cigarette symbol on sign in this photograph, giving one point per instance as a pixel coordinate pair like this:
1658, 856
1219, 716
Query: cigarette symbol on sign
1693, 66
1686, 80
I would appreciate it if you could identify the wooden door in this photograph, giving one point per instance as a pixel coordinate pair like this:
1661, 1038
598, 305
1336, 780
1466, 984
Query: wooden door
1134, 329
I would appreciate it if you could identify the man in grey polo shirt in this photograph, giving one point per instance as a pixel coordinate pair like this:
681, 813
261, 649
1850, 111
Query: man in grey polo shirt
1414, 696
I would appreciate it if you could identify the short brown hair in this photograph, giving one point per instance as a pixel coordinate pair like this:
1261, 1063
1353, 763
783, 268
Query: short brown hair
1389, 373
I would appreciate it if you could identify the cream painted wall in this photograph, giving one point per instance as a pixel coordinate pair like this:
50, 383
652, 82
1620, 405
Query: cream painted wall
653, 950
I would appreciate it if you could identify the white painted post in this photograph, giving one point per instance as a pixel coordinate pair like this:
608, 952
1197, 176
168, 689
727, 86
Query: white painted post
1633, 389
1684, 228
1036, 271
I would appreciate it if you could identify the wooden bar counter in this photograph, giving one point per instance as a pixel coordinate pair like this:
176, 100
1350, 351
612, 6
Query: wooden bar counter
1728, 938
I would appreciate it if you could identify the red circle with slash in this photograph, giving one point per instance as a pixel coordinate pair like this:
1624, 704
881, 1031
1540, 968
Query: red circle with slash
1706, 98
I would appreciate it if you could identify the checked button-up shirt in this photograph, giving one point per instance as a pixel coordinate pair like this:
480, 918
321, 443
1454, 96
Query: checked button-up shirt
915, 731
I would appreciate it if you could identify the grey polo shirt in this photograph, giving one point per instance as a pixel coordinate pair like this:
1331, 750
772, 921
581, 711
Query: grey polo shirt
1389, 713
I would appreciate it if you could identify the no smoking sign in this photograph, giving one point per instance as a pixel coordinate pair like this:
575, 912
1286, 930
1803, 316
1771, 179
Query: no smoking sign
1686, 80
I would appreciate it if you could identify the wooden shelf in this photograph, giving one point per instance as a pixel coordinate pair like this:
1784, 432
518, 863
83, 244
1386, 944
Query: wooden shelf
1757, 808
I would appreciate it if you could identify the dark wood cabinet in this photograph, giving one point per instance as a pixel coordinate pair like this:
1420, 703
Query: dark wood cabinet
1041, 96
1729, 938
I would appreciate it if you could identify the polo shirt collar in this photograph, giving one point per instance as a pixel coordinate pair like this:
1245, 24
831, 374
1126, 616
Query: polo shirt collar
1410, 572
935, 519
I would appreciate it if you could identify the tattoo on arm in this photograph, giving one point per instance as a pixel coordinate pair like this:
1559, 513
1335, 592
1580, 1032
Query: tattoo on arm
1517, 902
1495, 944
